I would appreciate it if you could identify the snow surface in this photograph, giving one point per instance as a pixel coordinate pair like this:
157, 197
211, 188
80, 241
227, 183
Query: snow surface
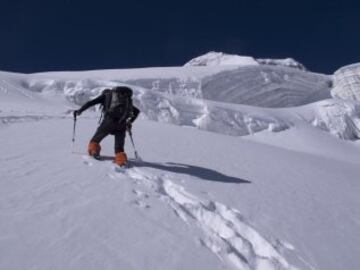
280, 193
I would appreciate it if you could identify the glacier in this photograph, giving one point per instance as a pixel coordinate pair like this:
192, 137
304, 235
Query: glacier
245, 166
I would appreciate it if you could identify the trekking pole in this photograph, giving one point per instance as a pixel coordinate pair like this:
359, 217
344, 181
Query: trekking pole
137, 157
74, 129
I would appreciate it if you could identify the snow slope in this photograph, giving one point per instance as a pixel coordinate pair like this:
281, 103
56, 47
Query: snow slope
284, 195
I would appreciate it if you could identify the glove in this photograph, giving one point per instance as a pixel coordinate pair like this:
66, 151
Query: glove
128, 126
76, 113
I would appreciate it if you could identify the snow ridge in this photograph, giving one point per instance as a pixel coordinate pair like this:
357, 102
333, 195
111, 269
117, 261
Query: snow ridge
287, 62
223, 59
219, 58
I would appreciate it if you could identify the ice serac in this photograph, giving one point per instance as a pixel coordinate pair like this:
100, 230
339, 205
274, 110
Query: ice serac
213, 100
347, 82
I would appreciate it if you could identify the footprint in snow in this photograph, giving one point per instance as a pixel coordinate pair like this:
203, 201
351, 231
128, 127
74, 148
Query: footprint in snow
87, 161
141, 204
140, 194
140, 201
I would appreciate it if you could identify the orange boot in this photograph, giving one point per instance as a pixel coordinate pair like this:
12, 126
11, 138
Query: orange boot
94, 149
121, 158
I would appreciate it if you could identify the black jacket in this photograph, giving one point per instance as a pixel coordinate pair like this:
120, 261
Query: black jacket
101, 100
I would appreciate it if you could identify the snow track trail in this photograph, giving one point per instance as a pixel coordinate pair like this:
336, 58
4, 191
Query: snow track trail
226, 232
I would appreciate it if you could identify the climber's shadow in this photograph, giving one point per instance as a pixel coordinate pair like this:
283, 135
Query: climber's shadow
199, 172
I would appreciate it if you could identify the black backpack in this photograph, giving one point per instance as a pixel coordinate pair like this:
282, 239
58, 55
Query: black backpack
118, 103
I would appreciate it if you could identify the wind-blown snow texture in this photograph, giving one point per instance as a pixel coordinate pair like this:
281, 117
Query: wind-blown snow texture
282, 196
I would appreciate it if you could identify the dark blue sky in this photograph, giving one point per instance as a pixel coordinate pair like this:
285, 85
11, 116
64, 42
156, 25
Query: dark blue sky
76, 34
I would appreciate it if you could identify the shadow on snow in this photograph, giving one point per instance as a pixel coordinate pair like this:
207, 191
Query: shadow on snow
196, 171
199, 172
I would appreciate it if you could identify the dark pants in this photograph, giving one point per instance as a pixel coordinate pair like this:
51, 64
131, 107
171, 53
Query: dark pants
110, 126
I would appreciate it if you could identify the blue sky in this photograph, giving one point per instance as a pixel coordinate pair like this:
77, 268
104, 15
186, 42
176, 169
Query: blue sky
76, 35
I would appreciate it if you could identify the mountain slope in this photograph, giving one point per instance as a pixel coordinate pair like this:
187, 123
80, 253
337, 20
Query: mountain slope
76, 213
284, 195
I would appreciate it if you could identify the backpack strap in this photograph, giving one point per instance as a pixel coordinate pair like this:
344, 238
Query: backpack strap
107, 103
126, 110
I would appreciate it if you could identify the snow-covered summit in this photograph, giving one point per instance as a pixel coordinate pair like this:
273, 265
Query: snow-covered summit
223, 59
